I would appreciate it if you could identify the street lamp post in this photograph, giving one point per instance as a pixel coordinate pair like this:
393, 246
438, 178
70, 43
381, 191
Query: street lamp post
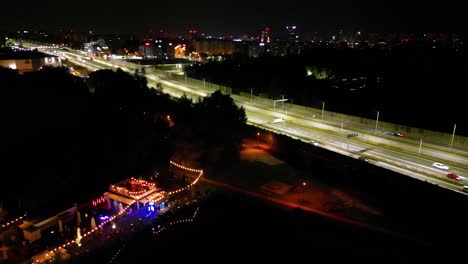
323, 108
420, 145
303, 191
377, 121
279, 100
453, 135
349, 136
282, 103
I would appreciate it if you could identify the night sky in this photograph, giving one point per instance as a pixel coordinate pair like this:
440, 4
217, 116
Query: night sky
233, 17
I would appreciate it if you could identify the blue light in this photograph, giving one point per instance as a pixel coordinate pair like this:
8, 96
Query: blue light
151, 206
104, 217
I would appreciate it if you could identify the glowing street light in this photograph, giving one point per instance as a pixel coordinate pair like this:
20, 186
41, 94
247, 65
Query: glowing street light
323, 108
453, 135
377, 121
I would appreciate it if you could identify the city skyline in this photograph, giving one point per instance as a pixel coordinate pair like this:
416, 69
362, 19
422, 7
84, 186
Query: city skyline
244, 18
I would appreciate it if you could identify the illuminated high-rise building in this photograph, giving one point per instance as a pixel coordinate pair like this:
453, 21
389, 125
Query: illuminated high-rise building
265, 38
292, 34
193, 33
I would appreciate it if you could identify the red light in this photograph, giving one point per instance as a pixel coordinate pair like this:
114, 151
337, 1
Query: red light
147, 44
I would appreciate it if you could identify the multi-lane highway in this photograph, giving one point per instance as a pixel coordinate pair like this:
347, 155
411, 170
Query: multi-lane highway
389, 158
402, 155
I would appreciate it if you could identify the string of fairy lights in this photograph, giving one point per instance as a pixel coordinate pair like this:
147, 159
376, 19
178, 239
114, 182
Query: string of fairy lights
72, 241
101, 225
117, 253
195, 213
185, 168
157, 200
12, 222
181, 221
188, 220
142, 185
191, 184
146, 186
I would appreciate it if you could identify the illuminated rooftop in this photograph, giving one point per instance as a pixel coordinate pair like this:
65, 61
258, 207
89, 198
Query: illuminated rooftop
133, 188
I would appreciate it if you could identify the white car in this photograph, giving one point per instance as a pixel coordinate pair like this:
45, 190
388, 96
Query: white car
315, 143
440, 166
277, 120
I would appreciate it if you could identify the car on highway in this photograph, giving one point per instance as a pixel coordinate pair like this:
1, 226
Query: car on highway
453, 176
363, 159
315, 143
440, 166
277, 120
465, 189
398, 134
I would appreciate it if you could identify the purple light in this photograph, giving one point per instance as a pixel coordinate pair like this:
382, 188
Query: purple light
104, 217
